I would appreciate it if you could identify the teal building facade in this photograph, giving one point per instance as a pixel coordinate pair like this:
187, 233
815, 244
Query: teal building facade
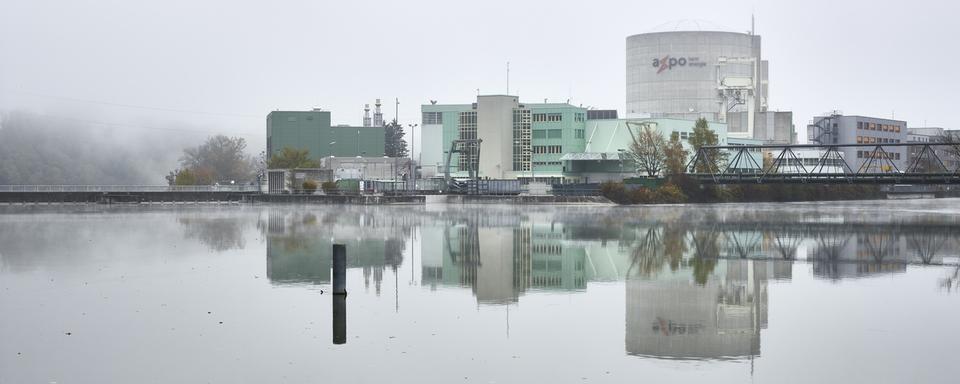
312, 131
553, 142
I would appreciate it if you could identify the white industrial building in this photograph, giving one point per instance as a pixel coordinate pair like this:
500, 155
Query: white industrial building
718, 76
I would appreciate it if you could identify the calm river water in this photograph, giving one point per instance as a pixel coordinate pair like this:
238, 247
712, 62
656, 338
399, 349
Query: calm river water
769, 293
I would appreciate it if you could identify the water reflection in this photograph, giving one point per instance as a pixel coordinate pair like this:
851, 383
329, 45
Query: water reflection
300, 245
697, 281
719, 315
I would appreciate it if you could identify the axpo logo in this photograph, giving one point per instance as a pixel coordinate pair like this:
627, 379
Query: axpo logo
667, 63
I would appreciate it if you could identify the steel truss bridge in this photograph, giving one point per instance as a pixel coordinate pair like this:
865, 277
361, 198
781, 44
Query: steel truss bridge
737, 164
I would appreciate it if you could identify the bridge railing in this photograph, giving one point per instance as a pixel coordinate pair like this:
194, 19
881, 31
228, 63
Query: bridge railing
923, 163
129, 188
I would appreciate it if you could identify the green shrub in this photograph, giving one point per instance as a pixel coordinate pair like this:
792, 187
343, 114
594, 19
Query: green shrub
615, 191
642, 195
329, 187
669, 193
309, 186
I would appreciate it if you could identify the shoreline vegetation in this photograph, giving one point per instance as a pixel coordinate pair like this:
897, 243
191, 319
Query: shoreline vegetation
680, 189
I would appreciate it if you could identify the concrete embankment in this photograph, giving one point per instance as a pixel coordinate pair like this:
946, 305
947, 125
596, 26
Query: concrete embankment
338, 199
252, 197
519, 199
122, 197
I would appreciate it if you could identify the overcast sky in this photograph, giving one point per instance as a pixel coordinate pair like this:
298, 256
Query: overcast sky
221, 66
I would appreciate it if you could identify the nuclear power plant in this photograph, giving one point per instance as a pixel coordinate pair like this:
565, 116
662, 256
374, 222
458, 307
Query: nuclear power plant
718, 76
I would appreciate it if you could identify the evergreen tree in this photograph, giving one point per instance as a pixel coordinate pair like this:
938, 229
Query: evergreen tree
704, 136
394, 143
676, 155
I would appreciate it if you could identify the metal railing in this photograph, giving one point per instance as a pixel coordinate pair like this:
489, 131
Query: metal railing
129, 188
876, 163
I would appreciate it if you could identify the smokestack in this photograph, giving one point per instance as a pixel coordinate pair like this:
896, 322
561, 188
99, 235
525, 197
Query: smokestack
366, 115
377, 114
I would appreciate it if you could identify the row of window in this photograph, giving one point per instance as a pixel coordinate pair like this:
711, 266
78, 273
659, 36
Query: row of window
538, 163
521, 139
467, 129
875, 140
863, 125
541, 117
808, 162
548, 134
541, 149
432, 118
550, 249
579, 117
878, 155
579, 133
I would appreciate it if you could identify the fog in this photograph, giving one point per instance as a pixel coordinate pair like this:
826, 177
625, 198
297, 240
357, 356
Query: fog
38, 148
220, 66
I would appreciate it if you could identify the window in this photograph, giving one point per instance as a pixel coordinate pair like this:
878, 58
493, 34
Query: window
579, 117
579, 133
432, 118
859, 139
859, 125
545, 149
521, 139
555, 134
540, 134
539, 117
467, 129
554, 117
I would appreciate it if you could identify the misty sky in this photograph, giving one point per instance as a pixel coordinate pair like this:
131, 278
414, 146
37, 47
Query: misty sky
221, 66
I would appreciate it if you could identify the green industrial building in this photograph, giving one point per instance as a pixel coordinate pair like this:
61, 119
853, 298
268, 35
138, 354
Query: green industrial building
312, 131
554, 142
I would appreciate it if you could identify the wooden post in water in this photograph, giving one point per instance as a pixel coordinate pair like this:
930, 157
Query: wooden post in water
339, 319
339, 269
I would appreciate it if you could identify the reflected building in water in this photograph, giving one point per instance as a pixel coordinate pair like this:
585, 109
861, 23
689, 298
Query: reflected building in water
500, 263
673, 316
300, 249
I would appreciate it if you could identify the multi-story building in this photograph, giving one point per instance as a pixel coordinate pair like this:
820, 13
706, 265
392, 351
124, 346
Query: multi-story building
519, 140
311, 131
546, 141
842, 129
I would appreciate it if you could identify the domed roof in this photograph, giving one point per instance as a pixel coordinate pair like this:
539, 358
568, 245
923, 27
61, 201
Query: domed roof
691, 25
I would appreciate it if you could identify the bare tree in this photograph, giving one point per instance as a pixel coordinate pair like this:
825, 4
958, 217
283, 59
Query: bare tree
648, 149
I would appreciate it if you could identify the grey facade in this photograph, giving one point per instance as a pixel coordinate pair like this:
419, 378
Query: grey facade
947, 153
840, 129
773, 127
674, 74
